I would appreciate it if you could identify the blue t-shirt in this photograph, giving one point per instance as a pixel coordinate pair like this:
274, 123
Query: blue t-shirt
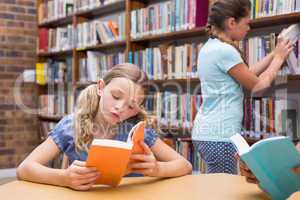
220, 115
63, 136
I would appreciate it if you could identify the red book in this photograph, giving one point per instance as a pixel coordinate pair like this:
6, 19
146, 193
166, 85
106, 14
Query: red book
201, 12
43, 40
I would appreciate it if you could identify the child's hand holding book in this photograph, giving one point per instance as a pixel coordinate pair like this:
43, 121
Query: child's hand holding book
145, 164
80, 177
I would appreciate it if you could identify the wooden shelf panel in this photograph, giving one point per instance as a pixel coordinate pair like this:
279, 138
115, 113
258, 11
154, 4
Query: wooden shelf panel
57, 22
55, 54
117, 44
171, 36
50, 118
275, 20
83, 85
102, 10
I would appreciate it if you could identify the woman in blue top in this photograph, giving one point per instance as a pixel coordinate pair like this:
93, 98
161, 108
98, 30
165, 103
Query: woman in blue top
100, 112
223, 73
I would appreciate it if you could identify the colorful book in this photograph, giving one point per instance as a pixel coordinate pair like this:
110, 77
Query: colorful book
111, 157
292, 33
271, 160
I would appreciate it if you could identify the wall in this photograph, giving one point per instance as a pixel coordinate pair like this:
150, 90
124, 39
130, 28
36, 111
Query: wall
18, 31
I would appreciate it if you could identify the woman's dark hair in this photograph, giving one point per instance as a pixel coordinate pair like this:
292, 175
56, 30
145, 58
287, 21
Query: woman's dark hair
223, 9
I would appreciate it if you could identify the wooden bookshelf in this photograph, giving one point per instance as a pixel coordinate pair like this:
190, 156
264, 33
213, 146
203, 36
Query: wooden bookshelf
55, 54
57, 22
275, 20
200, 31
134, 44
102, 10
50, 118
117, 44
171, 36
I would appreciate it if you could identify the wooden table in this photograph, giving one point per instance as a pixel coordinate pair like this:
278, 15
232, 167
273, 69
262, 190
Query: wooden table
203, 186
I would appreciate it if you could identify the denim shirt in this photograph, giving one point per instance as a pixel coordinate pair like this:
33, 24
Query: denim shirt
63, 136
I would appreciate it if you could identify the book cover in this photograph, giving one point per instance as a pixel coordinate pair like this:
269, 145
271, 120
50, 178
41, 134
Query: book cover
271, 160
292, 33
111, 157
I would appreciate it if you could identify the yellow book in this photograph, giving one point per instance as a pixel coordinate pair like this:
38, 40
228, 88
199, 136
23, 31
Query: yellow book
40, 70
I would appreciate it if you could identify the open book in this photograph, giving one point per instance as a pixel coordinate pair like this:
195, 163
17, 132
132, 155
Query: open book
292, 33
271, 161
111, 157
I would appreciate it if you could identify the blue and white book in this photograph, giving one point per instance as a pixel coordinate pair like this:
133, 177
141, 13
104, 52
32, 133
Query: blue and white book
271, 160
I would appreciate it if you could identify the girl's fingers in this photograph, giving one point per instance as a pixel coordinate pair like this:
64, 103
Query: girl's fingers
84, 187
251, 180
296, 170
89, 175
83, 170
79, 163
87, 181
141, 157
142, 165
147, 150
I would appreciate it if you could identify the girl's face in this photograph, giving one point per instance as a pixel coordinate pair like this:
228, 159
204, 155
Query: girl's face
120, 99
238, 29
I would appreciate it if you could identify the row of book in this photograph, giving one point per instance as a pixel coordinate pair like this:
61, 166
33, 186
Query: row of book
96, 64
169, 16
57, 9
85, 5
54, 9
173, 110
56, 39
101, 31
168, 61
57, 103
54, 71
255, 48
85, 35
266, 8
269, 116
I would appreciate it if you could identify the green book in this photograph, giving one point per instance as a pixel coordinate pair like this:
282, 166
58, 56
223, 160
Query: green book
271, 160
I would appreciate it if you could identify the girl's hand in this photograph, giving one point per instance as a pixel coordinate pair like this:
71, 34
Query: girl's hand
145, 164
297, 169
298, 146
80, 177
245, 171
283, 48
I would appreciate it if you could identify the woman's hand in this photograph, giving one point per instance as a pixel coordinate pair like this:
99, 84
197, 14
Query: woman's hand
245, 171
283, 48
80, 177
145, 164
297, 169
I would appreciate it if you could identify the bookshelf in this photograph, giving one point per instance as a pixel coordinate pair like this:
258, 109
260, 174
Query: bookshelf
129, 45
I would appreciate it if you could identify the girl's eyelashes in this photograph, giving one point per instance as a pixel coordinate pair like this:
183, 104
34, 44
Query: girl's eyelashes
115, 96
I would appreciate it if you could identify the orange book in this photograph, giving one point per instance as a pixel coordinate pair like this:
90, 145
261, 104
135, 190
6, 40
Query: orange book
111, 157
114, 28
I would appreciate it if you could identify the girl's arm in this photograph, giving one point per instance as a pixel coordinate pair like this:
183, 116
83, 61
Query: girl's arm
160, 161
254, 83
262, 65
33, 168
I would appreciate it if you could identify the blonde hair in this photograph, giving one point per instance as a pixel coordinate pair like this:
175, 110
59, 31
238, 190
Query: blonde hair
88, 102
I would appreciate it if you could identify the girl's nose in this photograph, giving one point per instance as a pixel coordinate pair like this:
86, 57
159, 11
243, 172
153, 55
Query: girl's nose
120, 106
